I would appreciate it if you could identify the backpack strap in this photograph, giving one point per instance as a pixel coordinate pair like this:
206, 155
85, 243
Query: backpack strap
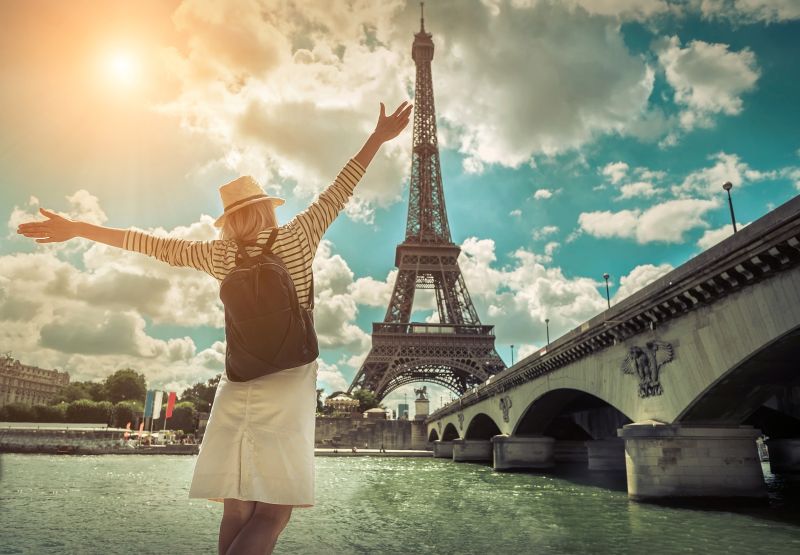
242, 251
270, 241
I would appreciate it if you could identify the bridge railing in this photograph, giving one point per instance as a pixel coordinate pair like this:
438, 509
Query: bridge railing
432, 329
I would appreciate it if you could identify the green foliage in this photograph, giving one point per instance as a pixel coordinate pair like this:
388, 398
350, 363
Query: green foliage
17, 412
84, 410
201, 394
366, 399
127, 411
125, 385
50, 413
183, 415
74, 391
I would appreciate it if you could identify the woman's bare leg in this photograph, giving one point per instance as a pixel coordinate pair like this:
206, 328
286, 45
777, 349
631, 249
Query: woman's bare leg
235, 515
262, 530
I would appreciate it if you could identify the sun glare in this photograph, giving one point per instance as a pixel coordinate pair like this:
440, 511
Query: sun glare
123, 68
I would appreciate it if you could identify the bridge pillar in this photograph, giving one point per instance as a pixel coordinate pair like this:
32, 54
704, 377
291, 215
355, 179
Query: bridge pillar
472, 450
784, 455
512, 452
606, 454
443, 449
675, 461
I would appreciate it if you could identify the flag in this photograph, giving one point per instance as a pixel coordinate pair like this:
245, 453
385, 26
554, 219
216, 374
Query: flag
171, 403
148, 403
157, 404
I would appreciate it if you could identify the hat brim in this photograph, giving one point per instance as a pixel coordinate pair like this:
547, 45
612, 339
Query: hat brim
221, 220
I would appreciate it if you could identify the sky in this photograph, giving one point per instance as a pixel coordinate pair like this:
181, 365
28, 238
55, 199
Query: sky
576, 138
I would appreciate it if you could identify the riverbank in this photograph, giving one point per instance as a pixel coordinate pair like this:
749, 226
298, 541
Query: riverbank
193, 450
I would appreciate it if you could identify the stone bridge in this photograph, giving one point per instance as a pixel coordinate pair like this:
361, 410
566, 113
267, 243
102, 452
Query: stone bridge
676, 383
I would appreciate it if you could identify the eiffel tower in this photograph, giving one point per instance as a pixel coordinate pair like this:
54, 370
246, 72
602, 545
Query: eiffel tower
458, 351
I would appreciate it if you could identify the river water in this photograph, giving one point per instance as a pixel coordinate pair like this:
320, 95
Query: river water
113, 504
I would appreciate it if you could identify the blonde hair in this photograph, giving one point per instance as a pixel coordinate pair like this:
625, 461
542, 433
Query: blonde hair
245, 223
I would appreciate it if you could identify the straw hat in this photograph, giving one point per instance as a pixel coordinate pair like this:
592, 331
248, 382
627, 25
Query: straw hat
241, 192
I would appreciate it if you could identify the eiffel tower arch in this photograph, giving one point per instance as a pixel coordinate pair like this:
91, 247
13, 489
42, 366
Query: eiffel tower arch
457, 352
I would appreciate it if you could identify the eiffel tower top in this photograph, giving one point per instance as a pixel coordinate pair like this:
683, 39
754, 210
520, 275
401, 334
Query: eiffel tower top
427, 216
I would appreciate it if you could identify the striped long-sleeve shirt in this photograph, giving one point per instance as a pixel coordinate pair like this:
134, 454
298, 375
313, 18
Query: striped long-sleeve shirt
295, 244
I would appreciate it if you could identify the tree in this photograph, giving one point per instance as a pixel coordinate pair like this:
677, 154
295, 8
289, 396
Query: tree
74, 391
320, 406
125, 385
202, 394
127, 411
183, 415
85, 410
366, 399
17, 412
50, 413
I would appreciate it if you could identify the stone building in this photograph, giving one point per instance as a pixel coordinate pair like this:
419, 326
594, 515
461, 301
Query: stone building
20, 383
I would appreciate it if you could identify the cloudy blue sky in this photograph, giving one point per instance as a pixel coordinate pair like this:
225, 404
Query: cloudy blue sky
577, 137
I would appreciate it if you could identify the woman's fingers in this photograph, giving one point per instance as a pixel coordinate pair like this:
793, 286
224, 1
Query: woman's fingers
383, 111
399, 108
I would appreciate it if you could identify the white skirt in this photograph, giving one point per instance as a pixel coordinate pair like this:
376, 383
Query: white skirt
259, 440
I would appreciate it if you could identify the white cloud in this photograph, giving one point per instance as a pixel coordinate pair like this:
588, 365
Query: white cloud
615, 171
543, 194
637, 189
330, 378
665, 222
708, 78
543, 232
560, 89
726, 167
516, 213
748, 11
713, 236
638, 278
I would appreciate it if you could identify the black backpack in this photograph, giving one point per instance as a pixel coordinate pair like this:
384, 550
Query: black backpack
266, 328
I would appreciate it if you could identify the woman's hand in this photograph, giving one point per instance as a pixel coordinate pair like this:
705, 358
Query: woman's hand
55, 229
389, 127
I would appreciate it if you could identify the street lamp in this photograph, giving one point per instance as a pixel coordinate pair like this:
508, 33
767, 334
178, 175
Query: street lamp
512, 354
547, 323
728, 186
608, 295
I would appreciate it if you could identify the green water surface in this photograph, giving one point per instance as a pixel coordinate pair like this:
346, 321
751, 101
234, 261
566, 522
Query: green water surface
113, 504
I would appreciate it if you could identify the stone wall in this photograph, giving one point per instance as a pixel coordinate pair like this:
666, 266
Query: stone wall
348, 432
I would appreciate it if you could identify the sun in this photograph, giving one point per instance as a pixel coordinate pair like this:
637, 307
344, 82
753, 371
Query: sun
123, 68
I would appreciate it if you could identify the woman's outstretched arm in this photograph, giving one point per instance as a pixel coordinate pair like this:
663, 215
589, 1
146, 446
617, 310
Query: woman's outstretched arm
175, 252
56, 229
315, 220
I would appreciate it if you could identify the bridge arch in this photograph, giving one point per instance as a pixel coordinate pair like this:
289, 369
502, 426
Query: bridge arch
450, 433
569, 413
433, 436
481, 427
738, 394
457, 376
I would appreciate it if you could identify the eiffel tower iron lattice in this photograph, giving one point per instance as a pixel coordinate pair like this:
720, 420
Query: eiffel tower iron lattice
457, 352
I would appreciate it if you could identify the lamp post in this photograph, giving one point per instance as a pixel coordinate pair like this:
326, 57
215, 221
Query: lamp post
608, 295
728, 186
512, 354
547, 323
